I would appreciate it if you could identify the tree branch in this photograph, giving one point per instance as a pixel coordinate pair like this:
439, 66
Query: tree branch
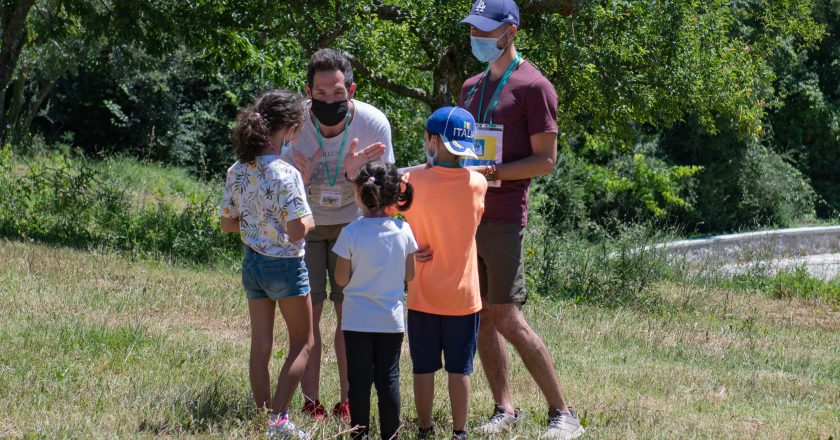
44, 90
328, 39
380, 80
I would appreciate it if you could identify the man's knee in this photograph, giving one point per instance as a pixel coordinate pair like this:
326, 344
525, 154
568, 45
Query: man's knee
485, 318
509, 321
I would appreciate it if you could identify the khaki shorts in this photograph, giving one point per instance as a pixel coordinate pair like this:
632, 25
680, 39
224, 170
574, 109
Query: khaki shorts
501, 268
320, 260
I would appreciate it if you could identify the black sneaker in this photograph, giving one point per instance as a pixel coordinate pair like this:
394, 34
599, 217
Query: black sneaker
459, 436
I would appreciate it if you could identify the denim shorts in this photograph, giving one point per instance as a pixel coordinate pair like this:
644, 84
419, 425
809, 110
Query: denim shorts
273, 277
430, 335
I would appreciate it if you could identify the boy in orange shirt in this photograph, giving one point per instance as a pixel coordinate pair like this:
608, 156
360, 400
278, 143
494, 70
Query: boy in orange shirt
444, 297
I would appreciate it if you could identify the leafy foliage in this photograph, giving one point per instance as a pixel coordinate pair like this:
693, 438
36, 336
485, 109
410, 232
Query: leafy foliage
70, 201
162, 80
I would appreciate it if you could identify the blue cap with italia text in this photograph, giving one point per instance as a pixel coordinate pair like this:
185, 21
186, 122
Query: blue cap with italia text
456, 128
488, 15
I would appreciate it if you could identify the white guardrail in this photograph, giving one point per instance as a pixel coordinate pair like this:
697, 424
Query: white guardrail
781, 243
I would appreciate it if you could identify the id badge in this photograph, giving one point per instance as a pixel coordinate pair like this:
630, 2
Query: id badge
488, 147
331, 199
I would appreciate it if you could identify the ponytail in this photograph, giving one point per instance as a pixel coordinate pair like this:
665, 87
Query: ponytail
255, 124
406, 195
380, 186
250, 135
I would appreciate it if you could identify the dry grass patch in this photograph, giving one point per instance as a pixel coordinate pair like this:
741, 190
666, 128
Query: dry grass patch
101, 346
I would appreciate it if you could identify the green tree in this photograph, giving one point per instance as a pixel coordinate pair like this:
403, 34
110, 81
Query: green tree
629, 75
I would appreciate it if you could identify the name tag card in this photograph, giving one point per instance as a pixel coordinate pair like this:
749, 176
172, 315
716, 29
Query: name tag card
488, 147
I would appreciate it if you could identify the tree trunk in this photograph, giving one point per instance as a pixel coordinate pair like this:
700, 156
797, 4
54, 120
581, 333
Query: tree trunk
13, 19
14, 37
17, 98
44, 90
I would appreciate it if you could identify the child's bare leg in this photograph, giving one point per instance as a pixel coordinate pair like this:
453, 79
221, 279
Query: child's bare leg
261, 313
297, 312
459, 398
424, 396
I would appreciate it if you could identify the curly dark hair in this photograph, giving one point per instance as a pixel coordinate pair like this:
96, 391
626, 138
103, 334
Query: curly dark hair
328, 60
255, 124
380, 185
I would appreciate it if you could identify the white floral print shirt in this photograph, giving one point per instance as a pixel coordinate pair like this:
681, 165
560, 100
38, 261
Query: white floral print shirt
264, 195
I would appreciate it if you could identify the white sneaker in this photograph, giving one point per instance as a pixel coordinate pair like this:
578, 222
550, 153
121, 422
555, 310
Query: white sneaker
562, 426
499, 422
280, 427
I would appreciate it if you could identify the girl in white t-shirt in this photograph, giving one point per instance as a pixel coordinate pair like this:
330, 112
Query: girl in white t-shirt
264, 201
375, 258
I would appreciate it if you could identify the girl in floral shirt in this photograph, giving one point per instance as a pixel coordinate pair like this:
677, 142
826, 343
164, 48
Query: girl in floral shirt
264, 201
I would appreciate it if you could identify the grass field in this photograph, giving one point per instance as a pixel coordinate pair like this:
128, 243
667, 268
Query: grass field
96, 345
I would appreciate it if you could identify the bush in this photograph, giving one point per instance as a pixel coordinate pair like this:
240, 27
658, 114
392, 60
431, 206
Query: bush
590, 265
73, 201
597, 184
756, 189
744, 184
772, 191
166, 109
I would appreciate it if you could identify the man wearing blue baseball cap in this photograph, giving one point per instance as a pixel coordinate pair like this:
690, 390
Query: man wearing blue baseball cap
515, 108
444, 297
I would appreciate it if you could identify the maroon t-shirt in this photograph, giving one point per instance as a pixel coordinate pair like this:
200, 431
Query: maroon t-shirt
527, 106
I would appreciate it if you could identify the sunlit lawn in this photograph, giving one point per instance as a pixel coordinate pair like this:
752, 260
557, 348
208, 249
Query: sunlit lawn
96, 345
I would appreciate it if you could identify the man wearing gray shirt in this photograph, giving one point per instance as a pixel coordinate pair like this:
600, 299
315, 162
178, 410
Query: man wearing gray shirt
326, 154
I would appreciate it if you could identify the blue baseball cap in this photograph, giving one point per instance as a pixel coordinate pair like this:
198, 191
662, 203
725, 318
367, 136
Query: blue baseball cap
488, 15
456, 128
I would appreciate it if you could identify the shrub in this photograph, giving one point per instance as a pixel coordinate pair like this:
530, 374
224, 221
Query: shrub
72, 201
600, 185
591, 265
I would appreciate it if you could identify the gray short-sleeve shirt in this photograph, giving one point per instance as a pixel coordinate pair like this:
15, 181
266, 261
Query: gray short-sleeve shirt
334, 205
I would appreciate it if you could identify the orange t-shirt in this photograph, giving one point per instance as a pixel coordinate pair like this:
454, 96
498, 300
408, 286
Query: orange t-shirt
444, 215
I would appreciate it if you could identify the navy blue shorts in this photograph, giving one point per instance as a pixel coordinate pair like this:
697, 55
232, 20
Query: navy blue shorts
430, 335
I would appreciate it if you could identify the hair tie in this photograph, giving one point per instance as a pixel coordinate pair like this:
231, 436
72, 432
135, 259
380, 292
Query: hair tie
258, 114
371, 179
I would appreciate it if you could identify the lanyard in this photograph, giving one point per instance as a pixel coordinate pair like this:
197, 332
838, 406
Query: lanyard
332, 178
448, 164
494, 100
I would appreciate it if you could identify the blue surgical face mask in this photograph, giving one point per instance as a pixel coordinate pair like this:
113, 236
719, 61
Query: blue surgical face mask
486, 49
285, 147
430, 158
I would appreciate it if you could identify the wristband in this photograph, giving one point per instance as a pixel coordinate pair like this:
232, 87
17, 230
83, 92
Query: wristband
490, 172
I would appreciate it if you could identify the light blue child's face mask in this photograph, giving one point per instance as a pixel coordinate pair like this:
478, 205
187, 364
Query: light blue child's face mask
284, 147
486, 49
431, 159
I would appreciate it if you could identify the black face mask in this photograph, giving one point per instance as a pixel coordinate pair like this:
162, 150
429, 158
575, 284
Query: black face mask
329, 114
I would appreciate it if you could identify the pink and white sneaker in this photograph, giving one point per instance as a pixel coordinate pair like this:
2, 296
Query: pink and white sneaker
280, 427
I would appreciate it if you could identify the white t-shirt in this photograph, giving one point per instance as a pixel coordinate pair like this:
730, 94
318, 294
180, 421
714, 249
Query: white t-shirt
335, 205
265, 194
377, 248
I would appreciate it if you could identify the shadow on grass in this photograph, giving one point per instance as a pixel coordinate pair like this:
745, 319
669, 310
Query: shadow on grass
218, 406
